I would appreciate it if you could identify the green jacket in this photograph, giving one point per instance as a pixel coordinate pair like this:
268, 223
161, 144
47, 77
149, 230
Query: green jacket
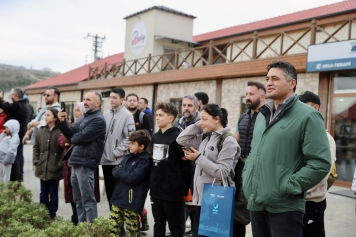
289, 156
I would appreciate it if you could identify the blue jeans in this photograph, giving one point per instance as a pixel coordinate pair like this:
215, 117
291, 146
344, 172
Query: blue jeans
82, 180
49, 195
267, 224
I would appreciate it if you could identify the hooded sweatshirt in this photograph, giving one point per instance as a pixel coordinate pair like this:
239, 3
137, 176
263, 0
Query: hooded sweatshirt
170, 175
9, 144
119, 125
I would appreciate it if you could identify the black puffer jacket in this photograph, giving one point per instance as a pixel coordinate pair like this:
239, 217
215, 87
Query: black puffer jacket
133, 182
87, 137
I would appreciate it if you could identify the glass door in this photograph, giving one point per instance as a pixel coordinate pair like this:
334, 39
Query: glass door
343, 123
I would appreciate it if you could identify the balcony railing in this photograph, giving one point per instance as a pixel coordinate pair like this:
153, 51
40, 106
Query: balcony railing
277, 44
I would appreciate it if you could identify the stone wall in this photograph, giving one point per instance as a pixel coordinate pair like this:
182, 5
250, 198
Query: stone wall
166, 92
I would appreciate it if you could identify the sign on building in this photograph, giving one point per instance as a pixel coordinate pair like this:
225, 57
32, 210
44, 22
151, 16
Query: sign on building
138, 38
332, 56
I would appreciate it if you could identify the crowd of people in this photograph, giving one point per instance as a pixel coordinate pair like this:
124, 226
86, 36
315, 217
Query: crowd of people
278, 160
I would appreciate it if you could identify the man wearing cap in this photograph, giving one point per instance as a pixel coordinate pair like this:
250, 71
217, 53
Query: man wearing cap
316, 197
289, 155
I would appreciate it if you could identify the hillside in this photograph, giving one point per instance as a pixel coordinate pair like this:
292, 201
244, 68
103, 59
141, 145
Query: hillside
13, 76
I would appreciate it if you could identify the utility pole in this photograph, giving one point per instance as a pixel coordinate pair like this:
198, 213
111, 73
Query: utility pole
97, 44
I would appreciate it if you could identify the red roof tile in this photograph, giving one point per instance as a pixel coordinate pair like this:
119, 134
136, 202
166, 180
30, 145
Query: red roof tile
78, 74
289, 18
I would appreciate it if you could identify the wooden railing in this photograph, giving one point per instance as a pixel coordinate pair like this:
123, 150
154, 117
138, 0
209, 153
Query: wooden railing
277, 44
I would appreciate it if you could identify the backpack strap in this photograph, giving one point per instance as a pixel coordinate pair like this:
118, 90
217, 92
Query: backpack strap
140, 118
221, 140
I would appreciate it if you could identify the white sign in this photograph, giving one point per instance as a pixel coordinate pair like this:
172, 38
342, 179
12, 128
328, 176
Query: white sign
138, 38
332, 56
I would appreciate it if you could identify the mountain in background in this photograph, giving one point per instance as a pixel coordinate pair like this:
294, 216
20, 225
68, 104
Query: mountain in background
14, 76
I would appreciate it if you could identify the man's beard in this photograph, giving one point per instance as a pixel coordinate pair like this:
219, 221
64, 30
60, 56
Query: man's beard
254, 105
89, 108
49, 102
189, 117
132, 109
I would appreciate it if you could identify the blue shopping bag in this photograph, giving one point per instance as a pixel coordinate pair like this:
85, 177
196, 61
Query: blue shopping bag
217, 210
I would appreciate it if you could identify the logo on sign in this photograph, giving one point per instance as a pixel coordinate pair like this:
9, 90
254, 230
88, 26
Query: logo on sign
138, 38
318, 66
353, 49
215, 209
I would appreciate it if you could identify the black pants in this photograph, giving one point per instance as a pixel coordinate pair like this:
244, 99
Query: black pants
109, 181
314, 219
17, 167
239, 230
173, 212
74, 215
267, 224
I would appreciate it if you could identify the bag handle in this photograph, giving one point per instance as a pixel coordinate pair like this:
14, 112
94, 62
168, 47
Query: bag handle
222, 177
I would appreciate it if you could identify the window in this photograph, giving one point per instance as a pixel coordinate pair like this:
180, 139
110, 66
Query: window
345, 83
178, 104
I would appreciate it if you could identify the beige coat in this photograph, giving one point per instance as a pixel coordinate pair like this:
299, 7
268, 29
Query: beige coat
318, 192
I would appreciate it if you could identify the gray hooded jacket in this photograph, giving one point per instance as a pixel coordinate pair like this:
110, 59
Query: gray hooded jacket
9, 144
210, 161
119, 125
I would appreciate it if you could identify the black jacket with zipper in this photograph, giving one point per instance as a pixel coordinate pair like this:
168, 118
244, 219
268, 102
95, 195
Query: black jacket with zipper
132, 181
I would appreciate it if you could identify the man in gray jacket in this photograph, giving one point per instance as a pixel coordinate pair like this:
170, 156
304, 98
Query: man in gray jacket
119, 125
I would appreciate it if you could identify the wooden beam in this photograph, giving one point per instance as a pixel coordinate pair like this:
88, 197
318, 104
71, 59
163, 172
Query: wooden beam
218, 91
212, 72
323, 93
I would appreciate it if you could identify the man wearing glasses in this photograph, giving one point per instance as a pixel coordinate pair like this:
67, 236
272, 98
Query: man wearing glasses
19, 111
51, 98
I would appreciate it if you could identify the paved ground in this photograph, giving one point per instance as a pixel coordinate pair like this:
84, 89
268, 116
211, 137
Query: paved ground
339, 215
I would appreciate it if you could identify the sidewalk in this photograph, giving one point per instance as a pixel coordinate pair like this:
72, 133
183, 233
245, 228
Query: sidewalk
339, 216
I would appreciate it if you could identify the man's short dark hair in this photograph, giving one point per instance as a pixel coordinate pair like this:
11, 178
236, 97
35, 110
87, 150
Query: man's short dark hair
119, 91
142, 137
56, 90
167, 107
259, 85
132, 94
203, 97
288, 69
144, 99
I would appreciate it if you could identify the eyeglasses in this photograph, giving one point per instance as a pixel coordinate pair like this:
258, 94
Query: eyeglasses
44, 95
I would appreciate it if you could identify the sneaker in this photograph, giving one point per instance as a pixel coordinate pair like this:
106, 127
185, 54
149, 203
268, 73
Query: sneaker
188, 233
144, 222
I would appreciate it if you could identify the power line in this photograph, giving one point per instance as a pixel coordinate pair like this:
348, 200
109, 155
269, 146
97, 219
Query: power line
97, 44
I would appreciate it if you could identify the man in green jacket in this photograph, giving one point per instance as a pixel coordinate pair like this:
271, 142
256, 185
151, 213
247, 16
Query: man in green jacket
289, 155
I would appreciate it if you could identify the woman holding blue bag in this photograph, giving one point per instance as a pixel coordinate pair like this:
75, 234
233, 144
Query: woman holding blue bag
214, 150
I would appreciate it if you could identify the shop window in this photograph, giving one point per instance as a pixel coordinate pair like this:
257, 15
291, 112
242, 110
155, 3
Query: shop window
345, 83
344, 131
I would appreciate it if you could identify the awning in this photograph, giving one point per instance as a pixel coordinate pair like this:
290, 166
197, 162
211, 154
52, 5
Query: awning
176, 41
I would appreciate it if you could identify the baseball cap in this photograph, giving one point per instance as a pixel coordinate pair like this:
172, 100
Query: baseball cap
308, 96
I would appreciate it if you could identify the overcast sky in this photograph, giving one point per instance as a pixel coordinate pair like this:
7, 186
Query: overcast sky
49, 33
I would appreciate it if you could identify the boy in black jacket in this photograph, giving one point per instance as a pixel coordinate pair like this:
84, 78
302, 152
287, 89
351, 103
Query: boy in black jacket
170, 176
132, 184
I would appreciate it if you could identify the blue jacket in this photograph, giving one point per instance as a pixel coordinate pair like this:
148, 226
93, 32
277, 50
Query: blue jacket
87, 137
132, 181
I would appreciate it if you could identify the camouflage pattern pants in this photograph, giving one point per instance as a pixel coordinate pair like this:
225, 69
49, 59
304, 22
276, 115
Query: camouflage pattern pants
119, 216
